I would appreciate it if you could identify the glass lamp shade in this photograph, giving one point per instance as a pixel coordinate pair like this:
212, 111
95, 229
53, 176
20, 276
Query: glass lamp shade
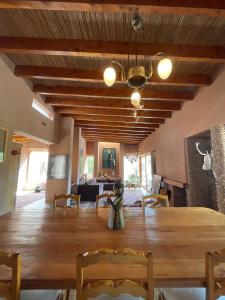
109, 76
135, 99
164, 68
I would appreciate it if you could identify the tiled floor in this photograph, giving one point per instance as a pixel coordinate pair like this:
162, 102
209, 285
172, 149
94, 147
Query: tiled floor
36, 205
26, 198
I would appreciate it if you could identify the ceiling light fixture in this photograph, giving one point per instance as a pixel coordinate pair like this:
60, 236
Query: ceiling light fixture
137, 75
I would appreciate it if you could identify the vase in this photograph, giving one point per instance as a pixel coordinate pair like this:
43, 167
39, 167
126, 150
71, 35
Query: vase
115, 218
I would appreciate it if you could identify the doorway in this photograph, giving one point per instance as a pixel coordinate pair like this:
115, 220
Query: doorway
131, 170
32, 172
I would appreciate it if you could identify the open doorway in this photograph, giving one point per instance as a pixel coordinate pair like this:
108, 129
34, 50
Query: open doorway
32, 171
131, 170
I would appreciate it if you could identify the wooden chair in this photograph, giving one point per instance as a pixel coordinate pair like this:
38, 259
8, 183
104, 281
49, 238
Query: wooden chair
76, 198
98, 197
115, 287
11, 291
214, 287
66, 197
158, 200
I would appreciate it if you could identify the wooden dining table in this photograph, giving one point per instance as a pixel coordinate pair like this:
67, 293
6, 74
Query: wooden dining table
49, 239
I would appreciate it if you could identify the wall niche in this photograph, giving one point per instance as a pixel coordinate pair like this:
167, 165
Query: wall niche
201, 188
206, 187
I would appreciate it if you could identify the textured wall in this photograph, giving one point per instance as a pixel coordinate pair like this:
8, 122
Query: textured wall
17, 114
201, 190
204, 112
218, 148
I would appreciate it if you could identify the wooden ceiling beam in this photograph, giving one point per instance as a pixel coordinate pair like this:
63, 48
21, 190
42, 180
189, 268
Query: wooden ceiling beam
147, 93
112, 103
113, 112
79, 75
96, 139
110, 49
176, 7
125, 119
122, 129
116, 137
117, 133
115, 124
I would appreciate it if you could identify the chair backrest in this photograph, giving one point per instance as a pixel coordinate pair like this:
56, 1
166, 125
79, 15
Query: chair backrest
156, 200
115, 287
105, 195
215, 287
11, 290
76, 198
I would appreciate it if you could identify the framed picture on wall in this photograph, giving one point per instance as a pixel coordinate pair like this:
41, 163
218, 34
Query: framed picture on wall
3, 140
109, 158
58, 167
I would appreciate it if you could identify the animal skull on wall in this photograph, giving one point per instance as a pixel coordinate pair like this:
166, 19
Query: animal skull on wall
208, 159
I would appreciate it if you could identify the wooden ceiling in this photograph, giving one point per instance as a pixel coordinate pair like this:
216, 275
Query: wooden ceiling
64, 46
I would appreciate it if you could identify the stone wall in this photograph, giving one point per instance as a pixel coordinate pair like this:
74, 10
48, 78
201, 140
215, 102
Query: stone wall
201, 190
218, 148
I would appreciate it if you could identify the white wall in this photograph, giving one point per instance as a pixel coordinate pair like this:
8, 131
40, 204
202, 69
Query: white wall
17, 114
64, 146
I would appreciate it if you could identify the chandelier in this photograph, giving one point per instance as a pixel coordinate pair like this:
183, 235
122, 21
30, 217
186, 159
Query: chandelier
137, 75
132, 158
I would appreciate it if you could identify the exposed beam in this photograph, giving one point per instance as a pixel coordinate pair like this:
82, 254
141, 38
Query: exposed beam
116, 137
97, 139
113, 103
111, 49
113, 112
177, 7
125, 119
116, 133
147, 93
115, 129
97, 76
115, 124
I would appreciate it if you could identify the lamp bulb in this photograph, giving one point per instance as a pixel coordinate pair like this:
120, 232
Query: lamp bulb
164, 68
109, 76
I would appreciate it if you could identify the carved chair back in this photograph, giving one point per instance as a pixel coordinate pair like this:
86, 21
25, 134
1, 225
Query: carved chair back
115, 287
215, 287
155, 200
11, 290
75, 198
105, 195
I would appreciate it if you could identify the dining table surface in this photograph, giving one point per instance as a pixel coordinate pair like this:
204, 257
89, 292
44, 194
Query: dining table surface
49, 239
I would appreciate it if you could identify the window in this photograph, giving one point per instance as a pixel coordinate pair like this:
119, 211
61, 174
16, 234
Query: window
131, 169
42, 109
89, 166
146, 171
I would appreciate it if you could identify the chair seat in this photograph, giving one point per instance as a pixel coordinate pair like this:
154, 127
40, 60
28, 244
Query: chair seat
39, 295
186, 293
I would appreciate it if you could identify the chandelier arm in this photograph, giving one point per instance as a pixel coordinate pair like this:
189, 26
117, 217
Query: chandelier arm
149, 75
123, 72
